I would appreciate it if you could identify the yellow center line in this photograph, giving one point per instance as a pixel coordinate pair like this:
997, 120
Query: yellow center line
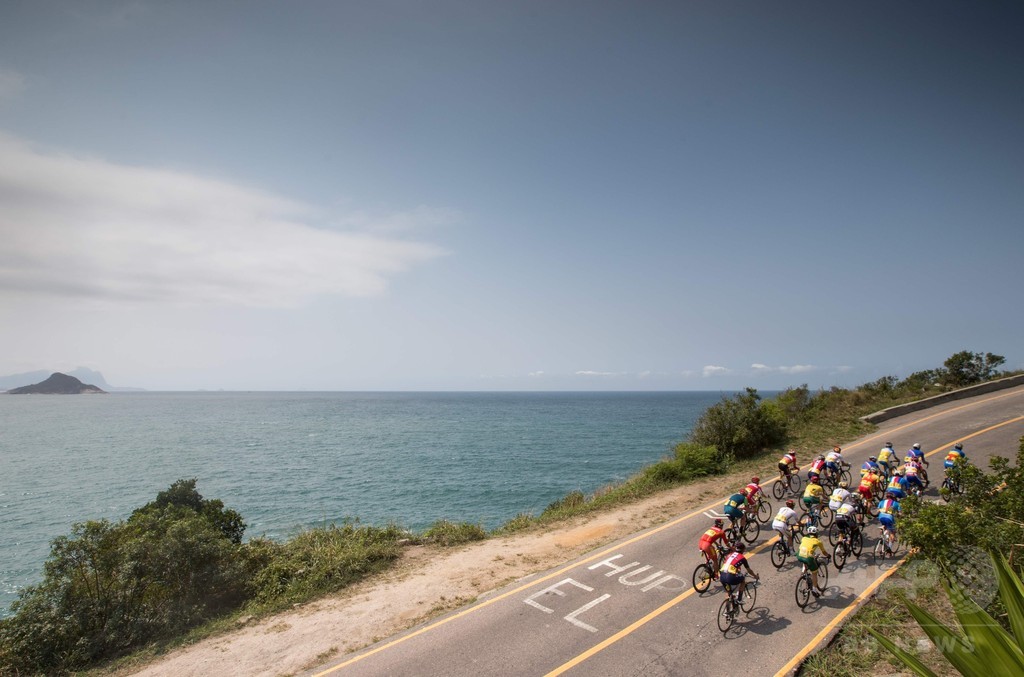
810, 647
639, 537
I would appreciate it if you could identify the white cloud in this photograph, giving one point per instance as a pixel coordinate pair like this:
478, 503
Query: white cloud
536, 374
597, 373
12, 84
795, 369
714, 370
83, 227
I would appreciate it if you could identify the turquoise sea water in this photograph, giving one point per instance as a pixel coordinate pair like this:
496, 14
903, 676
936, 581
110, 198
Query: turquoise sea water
291, 460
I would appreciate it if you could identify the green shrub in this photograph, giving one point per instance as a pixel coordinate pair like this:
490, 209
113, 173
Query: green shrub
741, 426
445, 533
318, 561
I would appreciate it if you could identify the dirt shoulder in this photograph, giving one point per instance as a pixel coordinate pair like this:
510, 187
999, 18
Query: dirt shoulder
426, 582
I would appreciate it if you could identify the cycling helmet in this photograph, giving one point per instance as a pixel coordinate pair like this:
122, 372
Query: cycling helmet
755, 480
844, 484
872, 458
815, 478
837, 449
958, 446
821, 457
790, 503
888, 444
812, 530
741, 546
917, 445
718, 523
898, 473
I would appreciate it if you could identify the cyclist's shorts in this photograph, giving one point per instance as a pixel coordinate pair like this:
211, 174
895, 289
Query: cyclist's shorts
887, 520
835, 505
898, 493
784, 469
914, 479
812, 564
811, 500
865, 492
842, 523
884, 465
733, 513
948, 464
708, 548
781, 527
833, 466
730, 579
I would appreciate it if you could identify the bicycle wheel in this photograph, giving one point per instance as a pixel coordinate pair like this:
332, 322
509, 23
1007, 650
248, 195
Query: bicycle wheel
805, 521
779, 489
878, 553
764, 512
823, 576
779, 554
839, 555
894, 547
833, 534
795, 484
825, 515
749, 597
726, 615
702, 577
803, 590
858, 544
845, 475
751, 530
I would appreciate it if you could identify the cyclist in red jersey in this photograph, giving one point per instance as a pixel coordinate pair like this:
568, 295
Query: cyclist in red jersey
709, 539
732, 568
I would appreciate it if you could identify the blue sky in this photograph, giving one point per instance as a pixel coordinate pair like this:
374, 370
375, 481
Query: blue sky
493, 196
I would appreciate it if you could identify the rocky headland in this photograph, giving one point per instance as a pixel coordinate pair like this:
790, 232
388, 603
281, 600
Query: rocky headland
57, 384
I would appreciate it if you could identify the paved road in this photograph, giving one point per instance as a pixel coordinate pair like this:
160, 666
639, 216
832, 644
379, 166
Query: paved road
630, 609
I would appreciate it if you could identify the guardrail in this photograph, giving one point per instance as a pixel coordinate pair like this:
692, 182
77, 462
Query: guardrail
963, 393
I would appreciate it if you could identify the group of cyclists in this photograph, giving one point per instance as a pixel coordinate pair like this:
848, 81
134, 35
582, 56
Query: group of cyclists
883, 483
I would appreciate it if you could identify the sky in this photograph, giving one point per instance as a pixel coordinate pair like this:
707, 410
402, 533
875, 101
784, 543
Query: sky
399, 195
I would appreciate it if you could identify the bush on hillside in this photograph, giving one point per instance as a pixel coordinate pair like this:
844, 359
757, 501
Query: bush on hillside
741, 426
445, 533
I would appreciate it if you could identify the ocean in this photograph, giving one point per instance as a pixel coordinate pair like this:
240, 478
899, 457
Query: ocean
288, 461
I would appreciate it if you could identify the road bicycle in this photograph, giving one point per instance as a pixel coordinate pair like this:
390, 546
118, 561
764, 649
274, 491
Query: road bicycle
733, 604
791, 483
848, 543
951, 487
764, 512
705, 571
831, 478
780, 551
746, 528
805, 584
818, 514
887, 546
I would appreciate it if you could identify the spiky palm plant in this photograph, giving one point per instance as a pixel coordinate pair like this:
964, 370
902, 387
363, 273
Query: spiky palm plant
982, 647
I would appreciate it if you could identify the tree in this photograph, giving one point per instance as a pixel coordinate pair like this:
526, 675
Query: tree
965, 368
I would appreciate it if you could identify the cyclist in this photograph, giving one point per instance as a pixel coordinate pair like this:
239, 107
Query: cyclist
753, 494
912, 478
896, 485
870, 465
734, 507
810, 544
868, 482
813, 494
839, 495
785, 522
834, 461
787, 464
709, 542
886, 456
731, 573
817, 466
846, 519
917, 456
954, 456
888, 508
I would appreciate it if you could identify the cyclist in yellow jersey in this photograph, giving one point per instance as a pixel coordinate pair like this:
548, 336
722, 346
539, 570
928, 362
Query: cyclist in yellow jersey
813, 494
809, 545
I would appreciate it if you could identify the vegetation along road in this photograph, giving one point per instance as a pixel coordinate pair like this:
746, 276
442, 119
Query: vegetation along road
630, 608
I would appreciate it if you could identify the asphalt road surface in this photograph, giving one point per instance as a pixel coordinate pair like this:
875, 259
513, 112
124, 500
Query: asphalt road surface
630, 608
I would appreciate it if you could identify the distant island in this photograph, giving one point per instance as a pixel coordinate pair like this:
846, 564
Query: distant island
83, 374
57, 384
